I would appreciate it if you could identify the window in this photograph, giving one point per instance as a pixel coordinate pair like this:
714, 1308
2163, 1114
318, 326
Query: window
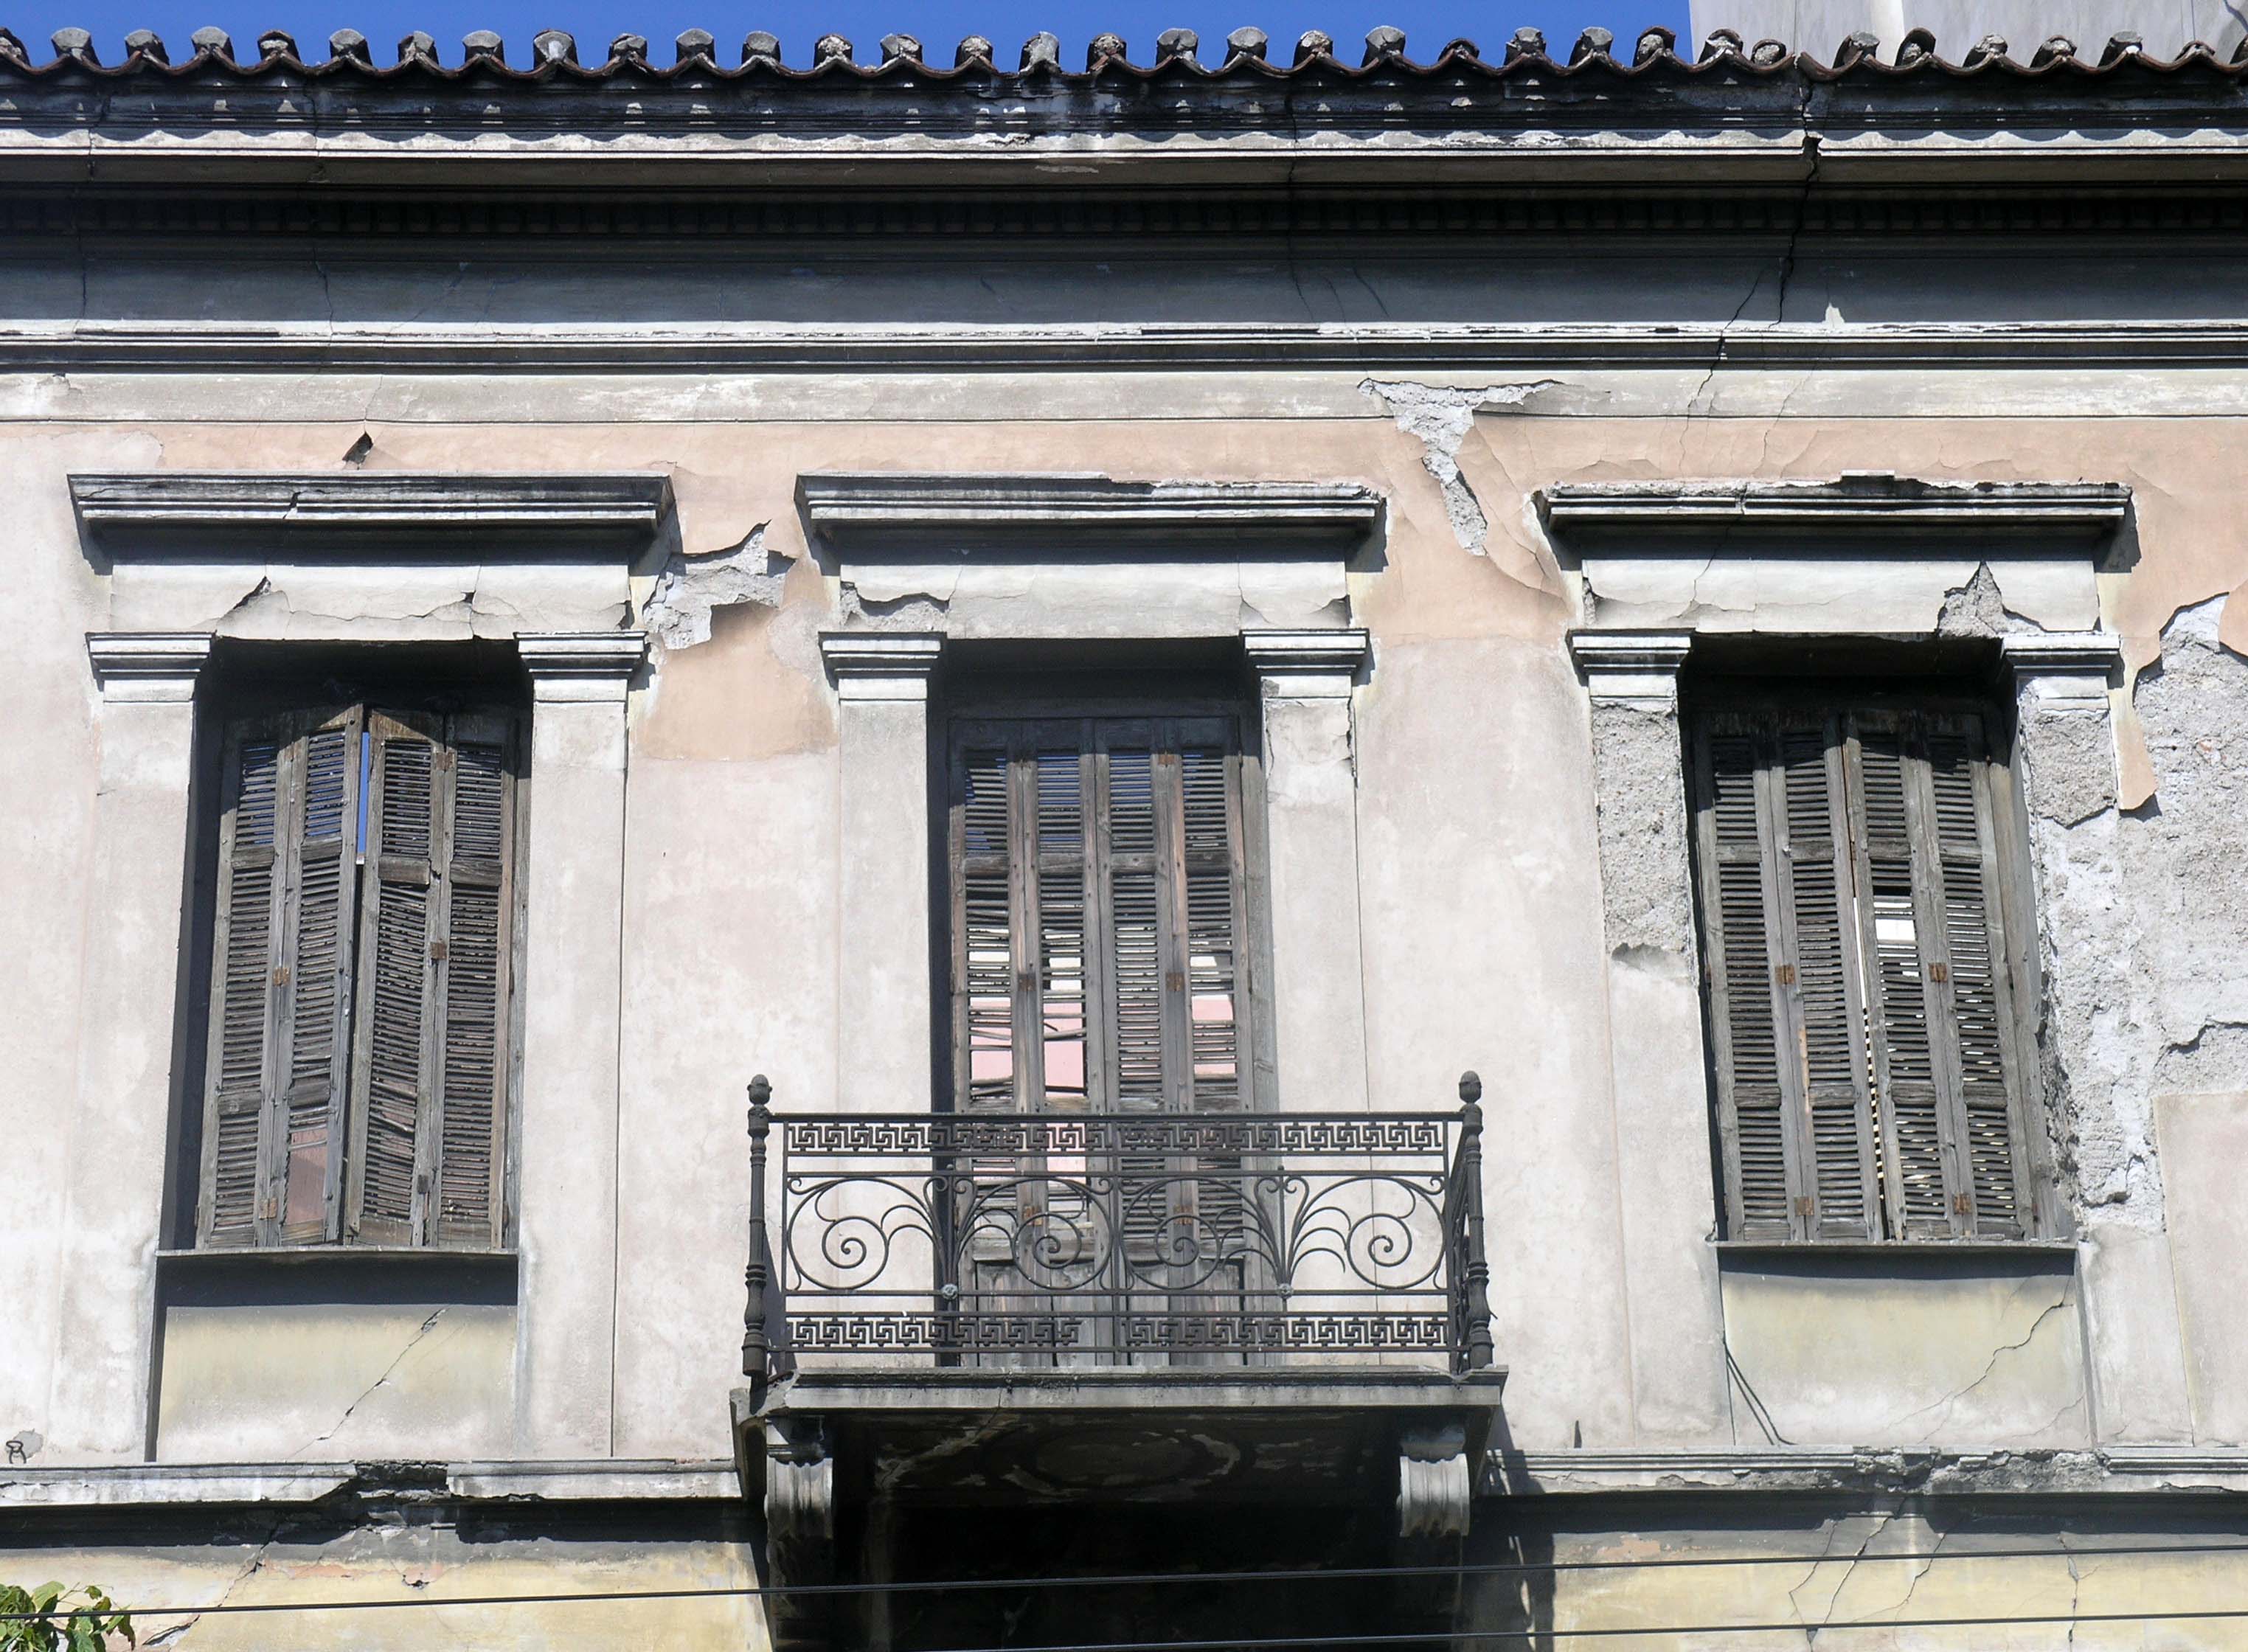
1869, 1074
1101, 893
357, 1065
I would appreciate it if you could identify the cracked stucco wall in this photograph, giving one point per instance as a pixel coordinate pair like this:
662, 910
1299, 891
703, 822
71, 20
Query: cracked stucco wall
322, 1381
419, 1548
1486, 936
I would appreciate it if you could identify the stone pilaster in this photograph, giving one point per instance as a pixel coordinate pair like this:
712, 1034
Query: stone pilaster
1656, 1032
112, 1203
1305, 680
573, 929
2095, 1057
883, 1010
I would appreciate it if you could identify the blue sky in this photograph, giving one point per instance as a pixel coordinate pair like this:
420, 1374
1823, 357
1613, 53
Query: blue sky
938, 24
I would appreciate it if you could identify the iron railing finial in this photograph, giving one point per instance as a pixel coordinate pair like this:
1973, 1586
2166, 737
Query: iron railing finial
757, 1349
1476, 1352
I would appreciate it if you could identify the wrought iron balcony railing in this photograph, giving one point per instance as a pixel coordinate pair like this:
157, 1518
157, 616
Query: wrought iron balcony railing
1117, 1239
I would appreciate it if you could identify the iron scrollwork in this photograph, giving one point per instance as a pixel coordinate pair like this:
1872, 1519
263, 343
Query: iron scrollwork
1122, 1238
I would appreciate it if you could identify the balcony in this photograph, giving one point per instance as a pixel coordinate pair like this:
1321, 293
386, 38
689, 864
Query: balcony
1078, 1310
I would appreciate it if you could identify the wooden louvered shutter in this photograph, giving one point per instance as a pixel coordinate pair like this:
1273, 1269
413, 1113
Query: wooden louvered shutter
1928, 870
1754, 1126
1099, 897
1776, 789
1859, 997
430, 1058
272, 1169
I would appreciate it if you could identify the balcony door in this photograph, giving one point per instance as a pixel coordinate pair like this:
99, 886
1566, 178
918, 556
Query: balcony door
1101, 967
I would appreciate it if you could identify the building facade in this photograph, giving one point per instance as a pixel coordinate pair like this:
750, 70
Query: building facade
1104, 633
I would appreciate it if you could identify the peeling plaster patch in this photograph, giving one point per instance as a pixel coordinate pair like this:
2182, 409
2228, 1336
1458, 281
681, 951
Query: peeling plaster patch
913, 611
1979, 609
691, 585
2186, 851
1440, 416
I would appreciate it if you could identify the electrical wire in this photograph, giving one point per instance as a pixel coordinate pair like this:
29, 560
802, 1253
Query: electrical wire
1145, 1579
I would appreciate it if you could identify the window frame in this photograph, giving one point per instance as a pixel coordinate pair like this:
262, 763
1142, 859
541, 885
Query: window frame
2012, 914
268, 681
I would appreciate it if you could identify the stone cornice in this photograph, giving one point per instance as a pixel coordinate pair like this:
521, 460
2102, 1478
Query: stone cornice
705, 348
158, 512
887, 511
1881, 508
148, 665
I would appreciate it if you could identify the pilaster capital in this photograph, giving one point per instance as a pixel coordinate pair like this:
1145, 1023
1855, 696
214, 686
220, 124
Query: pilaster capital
580, 665
1631, 667
147, 666
2063, 665
1315, 665
881, 665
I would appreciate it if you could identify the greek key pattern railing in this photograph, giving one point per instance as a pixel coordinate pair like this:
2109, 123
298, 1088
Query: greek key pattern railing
1116, 1239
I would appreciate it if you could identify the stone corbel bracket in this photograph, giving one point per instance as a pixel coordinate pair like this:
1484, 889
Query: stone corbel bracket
1631, 667
152, 512
153, 666
1306, 664
580, 665
881, 665
873, 512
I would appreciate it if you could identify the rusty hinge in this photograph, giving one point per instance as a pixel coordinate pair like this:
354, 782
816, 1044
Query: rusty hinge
1806, 1206
1939, 973
280, 975
1784, 973
445, 756
1174, 982
1961, 1205
436, 952
269, 1208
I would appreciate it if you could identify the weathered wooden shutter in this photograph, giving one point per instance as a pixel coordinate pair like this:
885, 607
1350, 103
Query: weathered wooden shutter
430, 1058
1098, 923
1858, 997
1099, 949
1753, 1107
1956, 1162
272, 1163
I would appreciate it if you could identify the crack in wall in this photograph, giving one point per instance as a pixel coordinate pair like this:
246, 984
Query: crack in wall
1950, 1401
256, 1563
390, 1370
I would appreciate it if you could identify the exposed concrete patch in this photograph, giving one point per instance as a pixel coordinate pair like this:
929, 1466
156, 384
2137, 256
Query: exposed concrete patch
1440, 416
692, 584
1979, 609
1642, 824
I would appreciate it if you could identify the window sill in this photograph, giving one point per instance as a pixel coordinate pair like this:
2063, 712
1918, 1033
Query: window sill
373, 1255
1892, 1247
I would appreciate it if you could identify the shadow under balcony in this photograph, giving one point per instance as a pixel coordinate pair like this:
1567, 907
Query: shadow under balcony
1072, 1311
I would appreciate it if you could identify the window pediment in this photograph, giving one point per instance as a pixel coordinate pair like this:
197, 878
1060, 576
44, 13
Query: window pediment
370, 556
1864, 553
1082, 555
